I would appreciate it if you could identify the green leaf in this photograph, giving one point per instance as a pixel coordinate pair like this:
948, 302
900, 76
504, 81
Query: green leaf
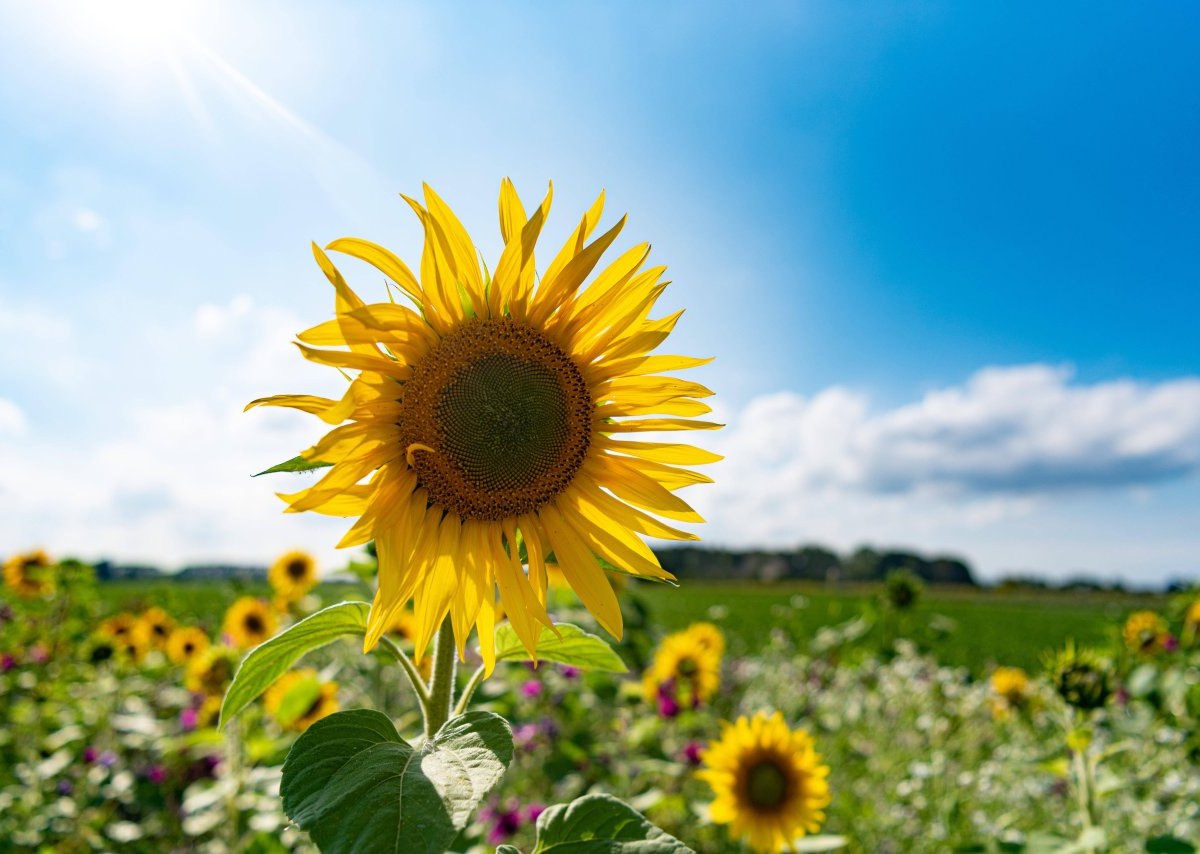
270, 660
294, 464
355, 785
1169, 845
573, 646
601, 824
508, 849
298, 700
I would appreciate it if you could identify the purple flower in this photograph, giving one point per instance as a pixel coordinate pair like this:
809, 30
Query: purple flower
156, 774
668, 706
65, 787
532, 811
108, 759
188, 718
7, 662
531, 688
524, 735
570, 672
504, 821
1171, 643
692, 752
38, 654
89, 755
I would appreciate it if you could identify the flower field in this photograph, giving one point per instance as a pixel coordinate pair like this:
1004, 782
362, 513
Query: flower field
914, 721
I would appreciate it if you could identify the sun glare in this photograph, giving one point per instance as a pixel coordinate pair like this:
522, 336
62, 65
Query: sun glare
131, 33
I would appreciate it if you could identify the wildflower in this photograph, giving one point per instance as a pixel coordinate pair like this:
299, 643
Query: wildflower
490, 421
298, 699
189, 718
156, 774
1010, 691
108, 759
39, 653
769, 783
524, 735
29, 575
1191, 619
8, 662
65, 788
503, 821
249, 622
569, 672
692, 752
531, 688
1145, 632
293, 574
90, 754
184, 644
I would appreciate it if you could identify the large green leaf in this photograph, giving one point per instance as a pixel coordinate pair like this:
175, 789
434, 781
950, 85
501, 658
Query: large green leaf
601, 824
356, 786
571, 646
270, 660
294, 464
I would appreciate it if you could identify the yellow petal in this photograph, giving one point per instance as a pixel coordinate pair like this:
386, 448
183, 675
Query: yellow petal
581, 570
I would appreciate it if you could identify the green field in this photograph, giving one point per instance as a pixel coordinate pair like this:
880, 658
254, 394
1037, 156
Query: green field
975, 628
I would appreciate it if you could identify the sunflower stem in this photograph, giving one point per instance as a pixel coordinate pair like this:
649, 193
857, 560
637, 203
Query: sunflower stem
441, 685
474, 682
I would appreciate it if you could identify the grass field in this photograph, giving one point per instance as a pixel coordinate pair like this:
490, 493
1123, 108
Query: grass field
969, 627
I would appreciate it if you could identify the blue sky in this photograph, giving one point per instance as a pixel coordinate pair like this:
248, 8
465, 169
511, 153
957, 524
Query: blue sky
946, 254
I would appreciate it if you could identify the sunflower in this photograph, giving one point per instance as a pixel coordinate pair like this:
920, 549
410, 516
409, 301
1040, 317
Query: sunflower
768, 780
1010, 690
686, 667
249, 622
1191, 621
402, 624
298, 699
209, 711
28, 575
293, 574
1145, 632
495, 419
708, 636
119, 626
185, 644
155, 626
210, 672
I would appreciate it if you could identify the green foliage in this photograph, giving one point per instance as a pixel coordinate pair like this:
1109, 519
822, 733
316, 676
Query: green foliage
355, 785
295, 464
601, 824
572, 645
272, 659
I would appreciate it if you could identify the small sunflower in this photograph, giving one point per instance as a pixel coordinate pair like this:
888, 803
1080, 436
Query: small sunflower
155, 625
184, 644
402, 625
1145, 632
687, 667
708, 636
249, 622
496, 415
1010, 690
298, 699
29, 575
1191, 621
132, 646
210, 672
293, 574
209, 711
769, 782
119, 626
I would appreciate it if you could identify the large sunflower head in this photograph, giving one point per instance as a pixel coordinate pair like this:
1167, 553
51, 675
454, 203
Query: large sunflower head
293, 574
686, 670
1145, 632
29, 575
249, 621
499, 416
298, 699
769, 783
185, 644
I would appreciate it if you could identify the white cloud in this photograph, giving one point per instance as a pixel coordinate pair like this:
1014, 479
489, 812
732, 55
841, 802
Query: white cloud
214, 320
12, 419
960, 466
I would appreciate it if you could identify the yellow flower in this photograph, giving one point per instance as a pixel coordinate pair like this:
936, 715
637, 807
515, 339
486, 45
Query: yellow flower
769, 782
708, 636
209, 711
154, 626
132, 645
299, 699
1191, 619
293, 574
185, 644
402, 624
1010, 691
210, 672
28, 575
496, 415
1145, 632
687, 667
119, 626
249, 622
